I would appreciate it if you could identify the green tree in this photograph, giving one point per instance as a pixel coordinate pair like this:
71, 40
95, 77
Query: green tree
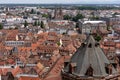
38, 13
1, 26
25, 23
50, 16
67, 17
63, 33
77, 17
58, 43
32, 11
94, 18
42, 24
115, 14
45, 15
108, 28
77, 25
87, 8
98, 38
35, 23
38, 23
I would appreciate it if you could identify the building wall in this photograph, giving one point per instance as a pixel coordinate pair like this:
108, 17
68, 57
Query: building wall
87, 28
67, 76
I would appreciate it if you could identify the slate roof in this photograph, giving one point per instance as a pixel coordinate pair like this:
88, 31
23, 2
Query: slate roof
89, 55
15, 50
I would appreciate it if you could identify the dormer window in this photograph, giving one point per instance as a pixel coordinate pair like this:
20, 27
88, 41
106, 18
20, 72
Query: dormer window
89, 71
72, 67
97, 44
108, 68
83, 44
66, 62
90, 45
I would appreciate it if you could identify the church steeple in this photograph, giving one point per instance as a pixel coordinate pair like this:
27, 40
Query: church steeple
90, 61
58, 14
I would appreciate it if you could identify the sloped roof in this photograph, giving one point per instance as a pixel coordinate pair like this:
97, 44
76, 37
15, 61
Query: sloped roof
87, 56
28, 78
15, 49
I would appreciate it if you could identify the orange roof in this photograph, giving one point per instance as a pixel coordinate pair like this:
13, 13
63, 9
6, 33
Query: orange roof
108, 48
40, 66
9, 31
8, 48
2, 62
16, 71
55, 72
26, 49
28, 78
5, 70
118, 45
10, 61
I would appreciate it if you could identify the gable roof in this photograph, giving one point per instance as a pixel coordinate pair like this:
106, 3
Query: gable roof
28, 78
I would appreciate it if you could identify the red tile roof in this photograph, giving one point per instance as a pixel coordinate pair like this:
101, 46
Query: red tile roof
28, 78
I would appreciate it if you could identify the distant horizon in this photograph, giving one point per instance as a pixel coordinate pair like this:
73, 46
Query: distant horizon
68, 3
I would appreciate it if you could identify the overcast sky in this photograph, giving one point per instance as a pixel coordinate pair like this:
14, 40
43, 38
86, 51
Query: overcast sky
62, 1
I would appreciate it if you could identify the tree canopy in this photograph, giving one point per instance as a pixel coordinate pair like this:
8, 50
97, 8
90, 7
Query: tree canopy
36, 23
25, 23
1, 26
94, 18
42, 24
45, 15
77, 17
98, 38
32, 11
96, 7
67, 17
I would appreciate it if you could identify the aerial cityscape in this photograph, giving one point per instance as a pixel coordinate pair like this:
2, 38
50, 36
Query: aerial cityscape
59, 40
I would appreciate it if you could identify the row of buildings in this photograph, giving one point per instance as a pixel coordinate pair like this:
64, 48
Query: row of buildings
37, 44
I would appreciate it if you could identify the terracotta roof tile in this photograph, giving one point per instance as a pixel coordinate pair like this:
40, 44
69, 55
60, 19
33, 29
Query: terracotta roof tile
28, 78
16, 71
